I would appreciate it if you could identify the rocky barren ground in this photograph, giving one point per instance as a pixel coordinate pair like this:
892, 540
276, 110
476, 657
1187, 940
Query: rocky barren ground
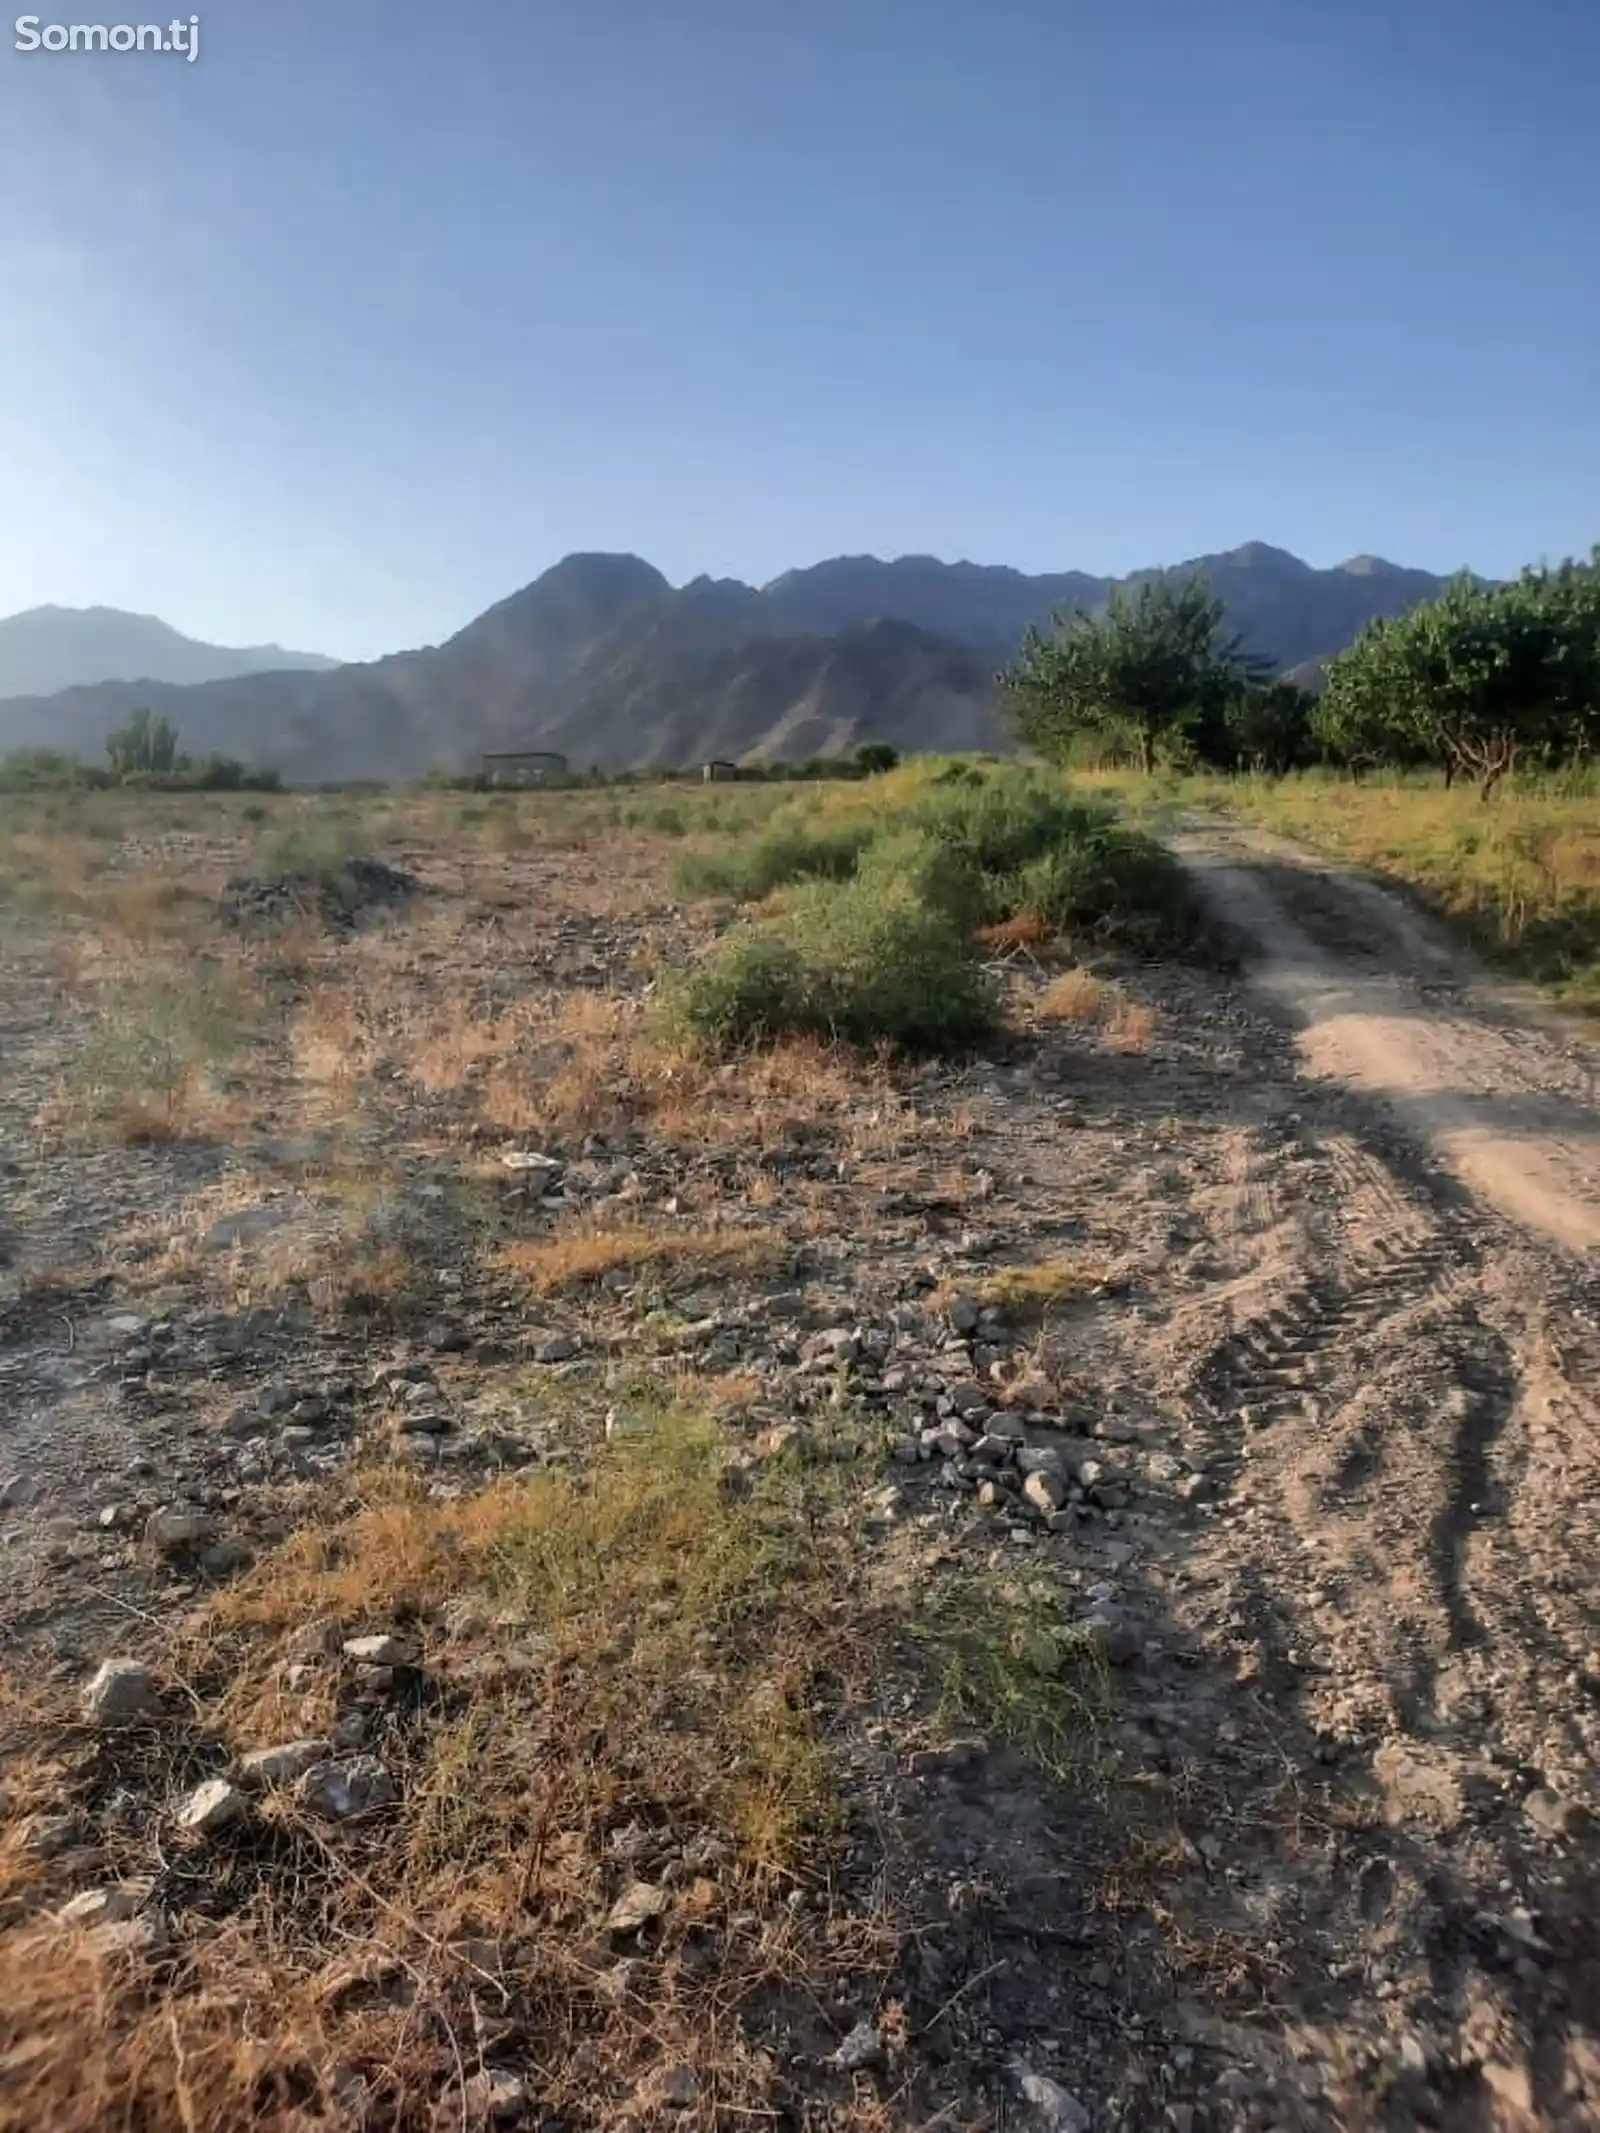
547, 1584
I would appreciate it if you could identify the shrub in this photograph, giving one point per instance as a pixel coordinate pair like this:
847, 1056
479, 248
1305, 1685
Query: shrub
792, 849
40, 769
875, 757
998, 824
887, 891
1114, 882
867, 960
908, 862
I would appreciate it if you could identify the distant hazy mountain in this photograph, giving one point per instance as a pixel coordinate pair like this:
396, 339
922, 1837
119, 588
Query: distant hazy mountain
601, 659
50, 648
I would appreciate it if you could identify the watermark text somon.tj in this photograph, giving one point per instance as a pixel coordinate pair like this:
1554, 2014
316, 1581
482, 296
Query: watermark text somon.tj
179, 38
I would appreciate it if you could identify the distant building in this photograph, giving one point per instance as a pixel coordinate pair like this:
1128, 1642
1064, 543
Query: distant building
716, 772
524, 766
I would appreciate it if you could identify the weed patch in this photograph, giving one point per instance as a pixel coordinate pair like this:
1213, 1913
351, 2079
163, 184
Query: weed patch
613, 1771
886, 888
1005, 1666
152, 1066
586, 1254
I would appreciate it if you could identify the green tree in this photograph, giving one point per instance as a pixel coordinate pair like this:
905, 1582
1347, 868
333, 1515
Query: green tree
875, 757
1267, 726
1479, 680
146, 745
1152, 668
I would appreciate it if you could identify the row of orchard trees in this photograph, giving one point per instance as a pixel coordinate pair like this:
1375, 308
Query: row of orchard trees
1477, 682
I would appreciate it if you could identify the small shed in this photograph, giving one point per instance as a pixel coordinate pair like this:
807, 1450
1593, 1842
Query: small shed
718, 772
525, 766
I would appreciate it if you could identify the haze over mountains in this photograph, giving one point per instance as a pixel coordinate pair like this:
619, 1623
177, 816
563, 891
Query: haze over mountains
603, 660
51, 648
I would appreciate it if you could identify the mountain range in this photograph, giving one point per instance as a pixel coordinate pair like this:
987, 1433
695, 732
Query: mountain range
51, 648
603, 660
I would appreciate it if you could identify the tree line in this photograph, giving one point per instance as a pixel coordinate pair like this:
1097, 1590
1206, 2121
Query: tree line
144, 754
1479, 682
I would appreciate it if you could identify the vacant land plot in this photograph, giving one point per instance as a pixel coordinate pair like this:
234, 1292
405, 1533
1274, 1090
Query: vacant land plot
576, 1560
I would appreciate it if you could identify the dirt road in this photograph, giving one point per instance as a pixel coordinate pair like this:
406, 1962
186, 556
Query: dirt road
1383, 1006
1400, 1369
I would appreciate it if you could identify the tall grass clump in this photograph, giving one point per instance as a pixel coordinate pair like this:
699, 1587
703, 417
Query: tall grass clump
793, 848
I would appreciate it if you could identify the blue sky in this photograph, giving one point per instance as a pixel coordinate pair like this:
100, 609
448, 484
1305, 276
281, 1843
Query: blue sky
365, 318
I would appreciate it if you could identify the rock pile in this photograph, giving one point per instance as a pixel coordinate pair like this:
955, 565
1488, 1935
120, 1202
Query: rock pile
337, 895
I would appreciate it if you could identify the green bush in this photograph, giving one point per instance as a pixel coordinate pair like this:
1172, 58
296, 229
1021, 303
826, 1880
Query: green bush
876, 942
1114, 882
908, 862
791, 849
999, 824
865, 960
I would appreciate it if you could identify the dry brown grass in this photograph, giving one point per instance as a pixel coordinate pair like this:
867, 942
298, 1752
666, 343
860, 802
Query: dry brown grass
1078, 996
1031, 1292
51, 872
627, 1677
591, 1248
154, 909
1027, 929
163, 1058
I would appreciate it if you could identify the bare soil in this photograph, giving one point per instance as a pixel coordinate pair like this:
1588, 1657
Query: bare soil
1335, 1334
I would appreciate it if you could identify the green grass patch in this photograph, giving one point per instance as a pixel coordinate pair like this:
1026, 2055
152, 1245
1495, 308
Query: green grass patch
1004, 1667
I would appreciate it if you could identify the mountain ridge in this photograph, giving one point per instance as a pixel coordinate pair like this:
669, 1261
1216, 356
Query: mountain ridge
49, 648
602, 659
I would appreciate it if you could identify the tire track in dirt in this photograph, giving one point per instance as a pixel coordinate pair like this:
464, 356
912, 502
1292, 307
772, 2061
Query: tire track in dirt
1426, 1384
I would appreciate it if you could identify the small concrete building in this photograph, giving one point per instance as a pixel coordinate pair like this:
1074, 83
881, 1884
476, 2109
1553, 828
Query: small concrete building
716, 773
524, 766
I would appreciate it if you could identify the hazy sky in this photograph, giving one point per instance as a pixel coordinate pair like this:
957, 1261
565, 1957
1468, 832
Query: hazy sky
369, 315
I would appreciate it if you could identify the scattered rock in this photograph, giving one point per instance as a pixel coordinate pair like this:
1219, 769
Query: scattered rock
529, 1160
212, 1807
495, 2098
225, 1558
177, 1531
104, 1907
964, 1313
263, 1767
382, 1650
17, 1493
1554, 1816
344, 1792
862, 2049
1051, 2108
639, 1903
122, 1691
1045, 1489
447, 1336
1033, 1391
561, 1350
1112, 1637
423, 1422
337, 894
